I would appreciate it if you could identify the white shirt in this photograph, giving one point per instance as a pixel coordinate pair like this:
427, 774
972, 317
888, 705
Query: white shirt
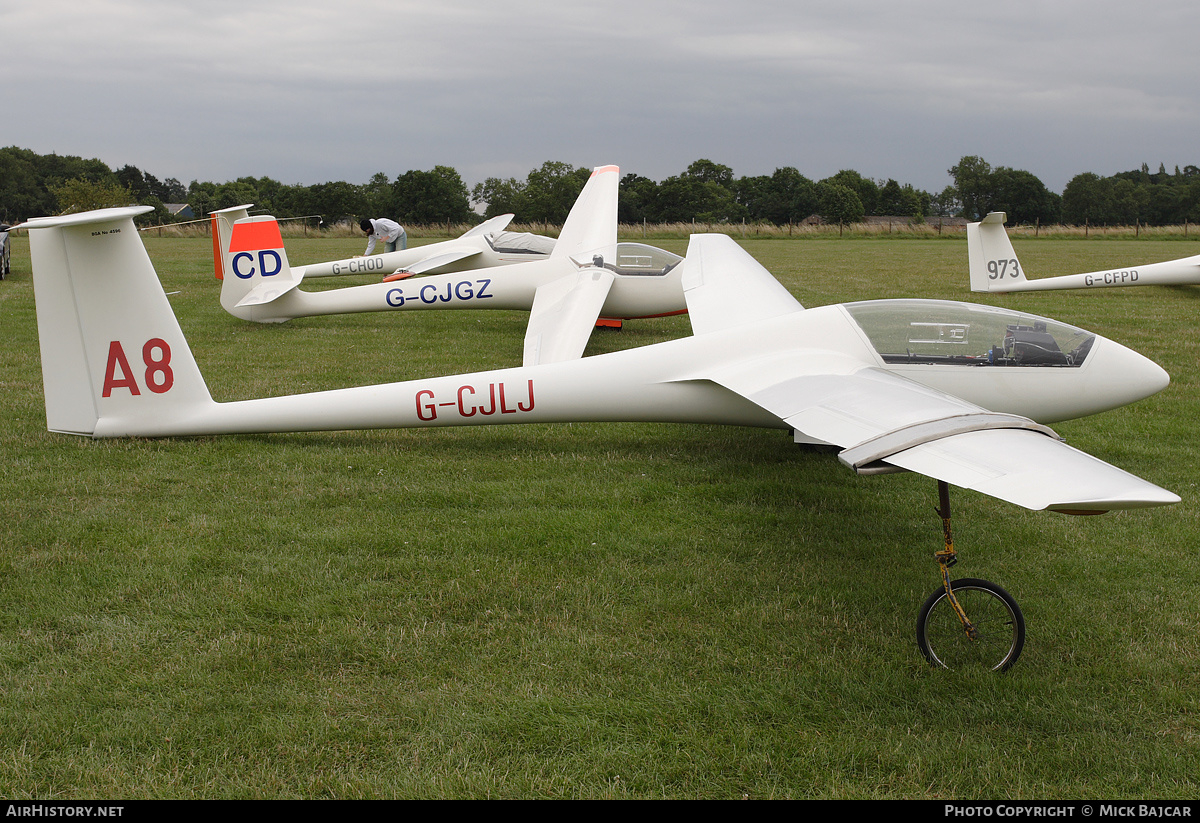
385, 230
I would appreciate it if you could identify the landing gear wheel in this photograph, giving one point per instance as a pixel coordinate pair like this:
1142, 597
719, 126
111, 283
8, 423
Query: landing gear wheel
997, 620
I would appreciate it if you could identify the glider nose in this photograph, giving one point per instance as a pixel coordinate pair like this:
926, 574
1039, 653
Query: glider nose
1125, 375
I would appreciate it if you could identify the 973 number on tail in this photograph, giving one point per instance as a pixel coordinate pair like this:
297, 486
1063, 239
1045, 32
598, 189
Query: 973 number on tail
999, 269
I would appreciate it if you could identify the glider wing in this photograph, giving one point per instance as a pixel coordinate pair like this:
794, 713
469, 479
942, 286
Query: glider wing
885, 422
563, 315
438, 260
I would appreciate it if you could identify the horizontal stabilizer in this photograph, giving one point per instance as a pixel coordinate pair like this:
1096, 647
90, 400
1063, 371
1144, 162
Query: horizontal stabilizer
265, 293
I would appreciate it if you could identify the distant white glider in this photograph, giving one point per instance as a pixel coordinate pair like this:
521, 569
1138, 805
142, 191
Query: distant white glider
995, 268
588, 276
484, 246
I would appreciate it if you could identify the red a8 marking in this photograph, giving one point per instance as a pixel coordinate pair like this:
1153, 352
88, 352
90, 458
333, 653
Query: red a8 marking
156, 355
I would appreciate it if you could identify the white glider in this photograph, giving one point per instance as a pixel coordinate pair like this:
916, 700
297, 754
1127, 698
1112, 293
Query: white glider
484, 246
588, 275
995, 268
956, 391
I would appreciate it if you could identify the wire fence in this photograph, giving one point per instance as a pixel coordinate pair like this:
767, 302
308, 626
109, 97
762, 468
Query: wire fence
313, 225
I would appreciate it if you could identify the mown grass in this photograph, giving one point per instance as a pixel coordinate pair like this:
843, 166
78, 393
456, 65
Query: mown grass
588, 610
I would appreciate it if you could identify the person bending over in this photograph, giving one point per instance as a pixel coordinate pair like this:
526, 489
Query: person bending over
389, 231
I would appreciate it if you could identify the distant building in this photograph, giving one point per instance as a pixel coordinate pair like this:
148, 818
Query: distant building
182, 210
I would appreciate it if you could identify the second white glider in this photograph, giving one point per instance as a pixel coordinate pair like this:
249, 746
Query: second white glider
588, 275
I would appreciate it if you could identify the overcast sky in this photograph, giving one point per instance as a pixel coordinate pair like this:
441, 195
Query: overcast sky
308, 92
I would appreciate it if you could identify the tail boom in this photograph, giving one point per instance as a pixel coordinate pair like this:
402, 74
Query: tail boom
601, 391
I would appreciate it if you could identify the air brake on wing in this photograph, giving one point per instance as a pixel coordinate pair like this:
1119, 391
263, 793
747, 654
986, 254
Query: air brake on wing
867, 457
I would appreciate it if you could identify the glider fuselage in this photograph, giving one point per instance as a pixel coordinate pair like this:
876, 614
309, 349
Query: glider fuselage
658, 383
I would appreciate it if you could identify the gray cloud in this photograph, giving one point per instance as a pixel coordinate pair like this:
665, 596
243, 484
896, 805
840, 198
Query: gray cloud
307, 92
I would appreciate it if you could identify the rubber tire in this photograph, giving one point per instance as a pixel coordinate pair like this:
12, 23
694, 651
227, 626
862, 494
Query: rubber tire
993, 611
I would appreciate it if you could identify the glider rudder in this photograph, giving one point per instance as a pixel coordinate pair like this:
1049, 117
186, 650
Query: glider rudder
592, 223
258, 270
222, 227
111, 346
992, 260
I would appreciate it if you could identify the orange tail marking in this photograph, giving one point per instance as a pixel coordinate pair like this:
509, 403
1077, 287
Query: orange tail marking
218, 258
253, 236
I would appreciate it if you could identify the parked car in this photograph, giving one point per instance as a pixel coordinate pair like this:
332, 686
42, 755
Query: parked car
5, 250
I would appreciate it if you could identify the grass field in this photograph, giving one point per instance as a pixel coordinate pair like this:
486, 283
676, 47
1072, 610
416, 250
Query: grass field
588, 610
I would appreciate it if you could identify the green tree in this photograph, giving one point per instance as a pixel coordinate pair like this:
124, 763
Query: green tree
379, 196
236, 193
839, 203
866, 189
706, 171
1023, 197
131, 177
636, 198
172, 191
81, 194
786, 196
1130, 201
437, 196
1088, 198
501, 196
945, 204
337, 201
703, 192
551, 190
972, 180
22, 193
902, 200
28, 177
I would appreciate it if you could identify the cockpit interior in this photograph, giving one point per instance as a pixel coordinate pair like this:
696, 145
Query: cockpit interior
967, 334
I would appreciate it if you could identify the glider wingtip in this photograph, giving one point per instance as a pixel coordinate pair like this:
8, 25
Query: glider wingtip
1098, 506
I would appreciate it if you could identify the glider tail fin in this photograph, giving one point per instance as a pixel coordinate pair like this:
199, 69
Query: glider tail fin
992, 260
111, 347
258, 272
222, 229
592, 222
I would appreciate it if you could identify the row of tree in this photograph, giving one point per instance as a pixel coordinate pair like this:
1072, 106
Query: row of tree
33, 185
